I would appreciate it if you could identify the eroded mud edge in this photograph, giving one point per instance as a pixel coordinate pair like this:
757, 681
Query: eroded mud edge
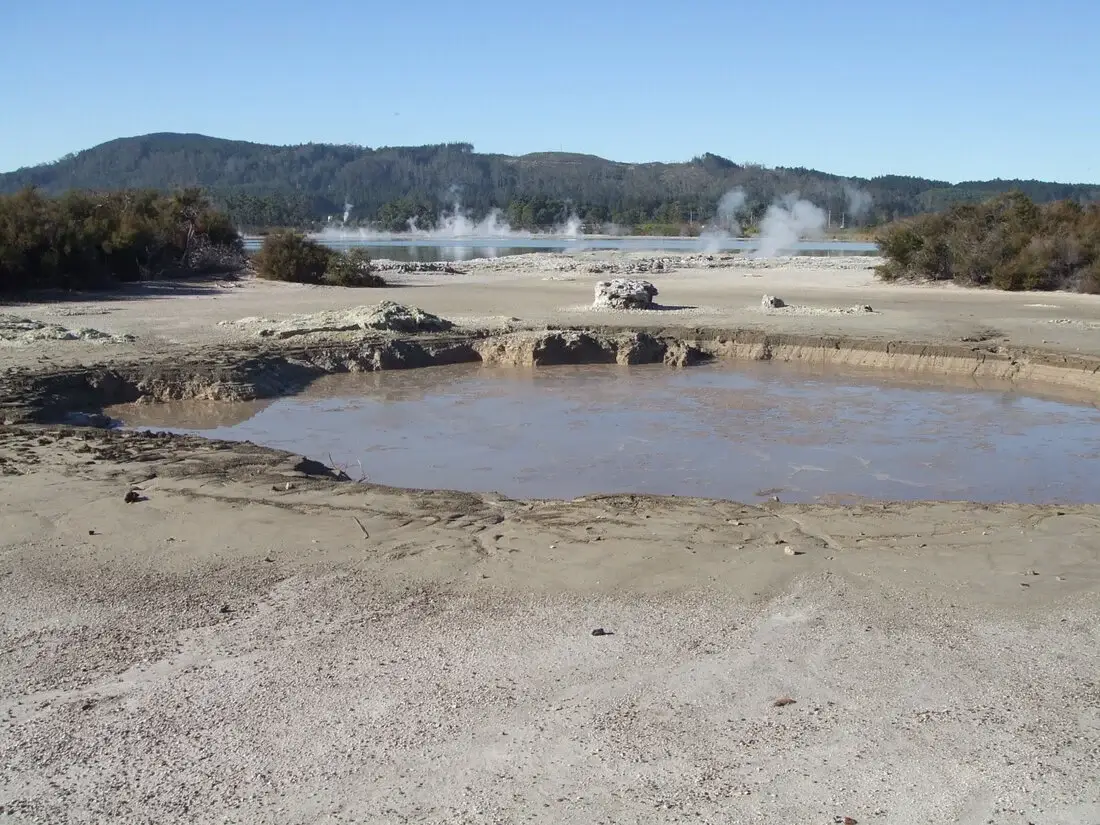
268, 369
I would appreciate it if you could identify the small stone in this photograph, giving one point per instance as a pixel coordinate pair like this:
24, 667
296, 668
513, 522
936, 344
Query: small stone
783, 702
772, 302
132, 496
225, 609
790, 551
599, 631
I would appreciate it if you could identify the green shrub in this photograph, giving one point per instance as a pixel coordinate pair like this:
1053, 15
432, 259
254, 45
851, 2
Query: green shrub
899, 243
352, 268
1007, 242
84, 240
291, 256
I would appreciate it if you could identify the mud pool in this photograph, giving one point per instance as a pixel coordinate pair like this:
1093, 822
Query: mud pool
744, 432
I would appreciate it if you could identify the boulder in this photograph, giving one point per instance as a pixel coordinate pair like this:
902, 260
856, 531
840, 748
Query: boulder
624, 293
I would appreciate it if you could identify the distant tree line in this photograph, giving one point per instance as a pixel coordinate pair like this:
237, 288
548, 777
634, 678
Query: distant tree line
83, 240
261, 186
1007, 242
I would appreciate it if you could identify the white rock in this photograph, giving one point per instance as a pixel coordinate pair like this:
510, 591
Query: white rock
624, 293
386, 316
16, 331
772, 302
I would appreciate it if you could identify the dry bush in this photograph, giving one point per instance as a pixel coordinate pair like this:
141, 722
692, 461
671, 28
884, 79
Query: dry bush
1007, 242
352, 268
291, 256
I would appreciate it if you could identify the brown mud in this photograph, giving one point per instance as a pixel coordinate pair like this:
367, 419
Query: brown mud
242, 372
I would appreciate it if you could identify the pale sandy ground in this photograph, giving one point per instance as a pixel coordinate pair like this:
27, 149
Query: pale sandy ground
535, 292
230, 650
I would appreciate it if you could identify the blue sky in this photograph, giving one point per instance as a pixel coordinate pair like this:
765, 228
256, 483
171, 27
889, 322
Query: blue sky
951, 90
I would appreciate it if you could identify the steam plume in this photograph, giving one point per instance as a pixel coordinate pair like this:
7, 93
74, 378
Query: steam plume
458, 223
730, 206
728, 222
859, 201
787, 222
572, 228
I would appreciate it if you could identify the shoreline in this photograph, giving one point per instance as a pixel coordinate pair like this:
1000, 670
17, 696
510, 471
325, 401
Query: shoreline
267, 369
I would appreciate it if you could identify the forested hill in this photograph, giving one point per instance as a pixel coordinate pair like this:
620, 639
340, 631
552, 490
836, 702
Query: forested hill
265, 185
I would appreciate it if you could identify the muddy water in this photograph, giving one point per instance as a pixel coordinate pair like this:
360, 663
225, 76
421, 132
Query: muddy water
744, 432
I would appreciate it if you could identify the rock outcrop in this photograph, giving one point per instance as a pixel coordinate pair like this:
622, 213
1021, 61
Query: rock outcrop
393, 317
386, 317
624, 293
411, 267
16, 331
634, 265
555, 347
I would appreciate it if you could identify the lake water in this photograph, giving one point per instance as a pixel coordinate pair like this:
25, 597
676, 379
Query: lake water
464, 249
743, 432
